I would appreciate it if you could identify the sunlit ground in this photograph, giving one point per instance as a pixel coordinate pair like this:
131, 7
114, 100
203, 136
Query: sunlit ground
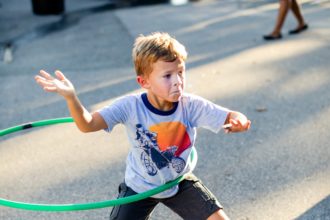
280, 169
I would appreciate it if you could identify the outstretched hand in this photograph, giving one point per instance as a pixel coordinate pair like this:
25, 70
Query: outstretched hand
236, 122
60, 84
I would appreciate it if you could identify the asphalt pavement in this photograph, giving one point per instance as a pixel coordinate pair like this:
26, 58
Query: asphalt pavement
280, 169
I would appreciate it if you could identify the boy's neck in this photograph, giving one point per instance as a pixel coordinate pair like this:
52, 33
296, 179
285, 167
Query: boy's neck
160, 104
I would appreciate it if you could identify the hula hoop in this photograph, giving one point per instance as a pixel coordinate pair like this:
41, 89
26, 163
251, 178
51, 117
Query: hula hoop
82, 206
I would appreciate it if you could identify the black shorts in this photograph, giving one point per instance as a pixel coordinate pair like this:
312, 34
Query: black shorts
193, 201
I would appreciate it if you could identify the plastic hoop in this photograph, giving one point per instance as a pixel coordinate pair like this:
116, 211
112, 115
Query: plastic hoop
82, 206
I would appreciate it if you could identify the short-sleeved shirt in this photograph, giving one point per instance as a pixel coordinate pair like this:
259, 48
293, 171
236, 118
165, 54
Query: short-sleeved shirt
161, 141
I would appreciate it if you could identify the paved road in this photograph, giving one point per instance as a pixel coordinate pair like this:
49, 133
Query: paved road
280, 169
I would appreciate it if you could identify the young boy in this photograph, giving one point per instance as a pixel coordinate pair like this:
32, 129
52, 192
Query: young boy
161, 126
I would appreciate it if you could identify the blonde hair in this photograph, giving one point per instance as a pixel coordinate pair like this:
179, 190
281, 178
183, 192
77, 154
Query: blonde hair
156, 46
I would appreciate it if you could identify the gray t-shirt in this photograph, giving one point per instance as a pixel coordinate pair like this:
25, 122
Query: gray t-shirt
161, 141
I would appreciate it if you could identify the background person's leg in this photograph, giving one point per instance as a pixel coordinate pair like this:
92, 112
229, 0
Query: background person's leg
281, 15
297, 13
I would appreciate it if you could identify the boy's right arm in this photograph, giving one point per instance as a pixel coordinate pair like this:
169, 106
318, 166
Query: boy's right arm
85, 121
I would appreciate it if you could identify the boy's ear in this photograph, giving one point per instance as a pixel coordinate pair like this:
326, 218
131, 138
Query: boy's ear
143, 82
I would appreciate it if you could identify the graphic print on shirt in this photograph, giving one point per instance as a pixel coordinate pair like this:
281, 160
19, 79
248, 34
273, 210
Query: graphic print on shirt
162, 145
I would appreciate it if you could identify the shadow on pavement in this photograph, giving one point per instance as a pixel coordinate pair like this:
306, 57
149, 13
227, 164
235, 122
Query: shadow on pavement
319, 211
253, 165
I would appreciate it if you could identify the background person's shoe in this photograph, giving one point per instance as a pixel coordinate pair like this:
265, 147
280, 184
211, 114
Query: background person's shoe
272, 37
298, 30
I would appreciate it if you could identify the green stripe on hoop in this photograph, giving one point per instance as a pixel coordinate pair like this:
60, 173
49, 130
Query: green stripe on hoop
35, 124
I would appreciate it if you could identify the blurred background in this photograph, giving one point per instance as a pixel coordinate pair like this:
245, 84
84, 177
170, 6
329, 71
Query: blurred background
280, 169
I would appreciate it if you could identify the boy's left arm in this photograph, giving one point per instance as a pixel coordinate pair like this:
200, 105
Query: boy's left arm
236, 122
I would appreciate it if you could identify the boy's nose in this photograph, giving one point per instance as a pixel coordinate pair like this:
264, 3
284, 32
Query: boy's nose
177, 80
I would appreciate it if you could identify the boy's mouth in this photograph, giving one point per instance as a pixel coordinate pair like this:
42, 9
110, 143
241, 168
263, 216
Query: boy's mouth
176, 92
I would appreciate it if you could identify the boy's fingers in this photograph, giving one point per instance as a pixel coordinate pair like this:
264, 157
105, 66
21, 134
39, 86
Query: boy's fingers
41, 80
46, 75
45, 83
233, 122
227, 126
248, 124
50, 88
37, 78
60, 75
236, 126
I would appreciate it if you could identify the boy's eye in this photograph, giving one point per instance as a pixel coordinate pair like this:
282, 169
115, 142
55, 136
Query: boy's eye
167, 76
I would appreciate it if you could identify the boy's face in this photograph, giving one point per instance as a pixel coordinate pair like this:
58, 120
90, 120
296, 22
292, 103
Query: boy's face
165, 83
